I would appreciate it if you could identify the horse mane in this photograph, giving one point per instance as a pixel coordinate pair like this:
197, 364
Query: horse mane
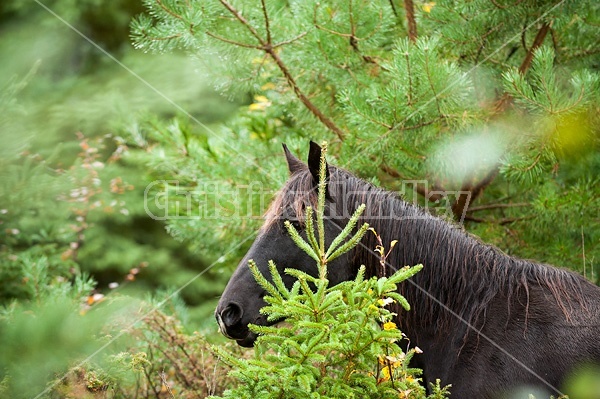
460, 272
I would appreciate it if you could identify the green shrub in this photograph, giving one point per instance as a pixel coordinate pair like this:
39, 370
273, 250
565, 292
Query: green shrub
166, 360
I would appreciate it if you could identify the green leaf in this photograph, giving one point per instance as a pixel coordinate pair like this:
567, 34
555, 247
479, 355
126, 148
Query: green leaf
262, 281
351, 243
345, 231
299, 241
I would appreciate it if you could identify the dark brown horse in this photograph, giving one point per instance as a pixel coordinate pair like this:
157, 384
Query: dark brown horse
487, 323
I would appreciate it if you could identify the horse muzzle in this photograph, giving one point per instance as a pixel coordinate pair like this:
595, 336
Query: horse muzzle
229, 319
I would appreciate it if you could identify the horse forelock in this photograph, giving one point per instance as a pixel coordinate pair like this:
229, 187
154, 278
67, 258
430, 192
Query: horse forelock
291, 201
300, 192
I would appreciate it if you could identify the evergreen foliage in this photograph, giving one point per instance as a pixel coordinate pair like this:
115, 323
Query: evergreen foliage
496, 100
71, 206
82, 208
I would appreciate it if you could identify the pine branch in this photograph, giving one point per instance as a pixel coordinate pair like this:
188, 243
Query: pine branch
261, 280
555, 44
158, 39
310, 230
460, 207
168, 11
283, 43
401, 128
243, 21
501, 222
484, 40
409, 7
229, 41
472, 192
497, 206
346, 231
299, 241
322, 189
266, 15
352, 38
505, 221
351, 243
410, 79
537, 42
351, 18
494, 2
506, 100
524, 37
278, 281
302, 97
393, 8
435, 95
374, 121
268, 47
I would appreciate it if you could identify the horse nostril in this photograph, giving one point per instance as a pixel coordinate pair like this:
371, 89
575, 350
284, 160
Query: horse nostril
232, 314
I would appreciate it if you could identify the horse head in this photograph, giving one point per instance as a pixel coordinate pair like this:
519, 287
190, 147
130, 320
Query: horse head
242, 299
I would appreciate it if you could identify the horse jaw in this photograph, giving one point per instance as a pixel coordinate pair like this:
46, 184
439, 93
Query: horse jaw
247, 342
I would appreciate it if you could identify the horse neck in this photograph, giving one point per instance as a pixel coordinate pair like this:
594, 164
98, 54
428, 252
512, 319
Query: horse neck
460, 277
456, 266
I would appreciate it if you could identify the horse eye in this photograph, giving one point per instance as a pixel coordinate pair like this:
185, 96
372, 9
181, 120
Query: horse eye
296, 223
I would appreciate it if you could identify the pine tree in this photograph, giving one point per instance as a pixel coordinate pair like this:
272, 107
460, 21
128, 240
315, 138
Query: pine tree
492, 103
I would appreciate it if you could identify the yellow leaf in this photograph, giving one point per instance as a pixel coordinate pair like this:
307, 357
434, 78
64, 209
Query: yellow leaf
573, 135
268, 86
385, 374
428, 6
393, 361
261, 103
390, 325
405, 394
257, 107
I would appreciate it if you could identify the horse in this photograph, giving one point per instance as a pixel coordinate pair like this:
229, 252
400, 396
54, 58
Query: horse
487, 323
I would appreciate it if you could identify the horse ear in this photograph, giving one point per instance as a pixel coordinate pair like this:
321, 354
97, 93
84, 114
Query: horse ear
314, 163
294, 164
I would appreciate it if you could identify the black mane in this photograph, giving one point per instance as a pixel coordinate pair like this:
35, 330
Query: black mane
460, 272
